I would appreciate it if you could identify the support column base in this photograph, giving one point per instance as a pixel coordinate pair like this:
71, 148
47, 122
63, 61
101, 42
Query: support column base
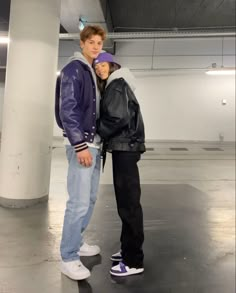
21, 203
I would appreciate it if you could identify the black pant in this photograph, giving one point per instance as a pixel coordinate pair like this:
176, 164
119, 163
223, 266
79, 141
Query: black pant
128, 193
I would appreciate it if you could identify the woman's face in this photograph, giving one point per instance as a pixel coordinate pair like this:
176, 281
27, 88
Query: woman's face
102, 70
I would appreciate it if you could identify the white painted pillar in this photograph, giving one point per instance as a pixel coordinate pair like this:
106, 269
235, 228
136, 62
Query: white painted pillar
28, 109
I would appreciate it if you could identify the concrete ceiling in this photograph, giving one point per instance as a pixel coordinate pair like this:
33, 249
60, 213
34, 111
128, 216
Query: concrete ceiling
89, 10
140, 15
5, 15
137, 16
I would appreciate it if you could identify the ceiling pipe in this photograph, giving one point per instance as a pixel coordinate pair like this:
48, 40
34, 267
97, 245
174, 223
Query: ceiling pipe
156, 35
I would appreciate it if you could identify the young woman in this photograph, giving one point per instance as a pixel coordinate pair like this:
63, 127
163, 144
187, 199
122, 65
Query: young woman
122, 130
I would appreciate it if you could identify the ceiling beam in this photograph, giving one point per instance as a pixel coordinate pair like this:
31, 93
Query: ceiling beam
157, 35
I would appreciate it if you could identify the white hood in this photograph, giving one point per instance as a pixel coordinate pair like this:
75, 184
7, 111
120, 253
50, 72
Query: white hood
79, 56
124, 73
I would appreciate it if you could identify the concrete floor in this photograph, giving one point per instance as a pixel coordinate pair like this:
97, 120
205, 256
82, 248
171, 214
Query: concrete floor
188, 198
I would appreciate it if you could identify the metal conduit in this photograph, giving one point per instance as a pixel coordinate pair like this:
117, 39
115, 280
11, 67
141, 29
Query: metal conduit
156, 35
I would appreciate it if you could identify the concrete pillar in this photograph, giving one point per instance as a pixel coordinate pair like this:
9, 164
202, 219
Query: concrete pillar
28, 109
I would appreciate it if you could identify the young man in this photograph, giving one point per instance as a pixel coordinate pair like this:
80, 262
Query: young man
77, 109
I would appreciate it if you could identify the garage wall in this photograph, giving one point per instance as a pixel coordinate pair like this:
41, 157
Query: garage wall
178, 100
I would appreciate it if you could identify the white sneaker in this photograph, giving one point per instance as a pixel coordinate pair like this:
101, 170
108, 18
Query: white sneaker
89, 250
75, 270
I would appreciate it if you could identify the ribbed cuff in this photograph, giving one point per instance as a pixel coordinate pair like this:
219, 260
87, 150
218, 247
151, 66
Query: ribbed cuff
80, 147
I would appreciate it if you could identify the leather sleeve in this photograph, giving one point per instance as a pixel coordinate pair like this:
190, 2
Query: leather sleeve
70, 110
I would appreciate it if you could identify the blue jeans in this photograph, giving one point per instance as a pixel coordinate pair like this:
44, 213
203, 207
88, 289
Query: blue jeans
82, 186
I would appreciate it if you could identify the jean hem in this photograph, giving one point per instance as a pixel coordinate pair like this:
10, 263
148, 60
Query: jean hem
71, 259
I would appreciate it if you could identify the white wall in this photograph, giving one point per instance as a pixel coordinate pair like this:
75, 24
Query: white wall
177, 103
178, 100
187, 106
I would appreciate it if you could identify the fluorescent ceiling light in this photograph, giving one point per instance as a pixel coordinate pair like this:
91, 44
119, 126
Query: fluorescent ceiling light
4, 40
223, 71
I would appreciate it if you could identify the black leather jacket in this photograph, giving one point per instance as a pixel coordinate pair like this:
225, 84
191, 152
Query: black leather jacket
121, 124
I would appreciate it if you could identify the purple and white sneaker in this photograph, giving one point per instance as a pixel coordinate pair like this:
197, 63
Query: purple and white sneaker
121, 270
116, 256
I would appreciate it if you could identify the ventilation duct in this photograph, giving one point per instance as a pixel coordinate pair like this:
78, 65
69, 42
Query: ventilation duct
157, 35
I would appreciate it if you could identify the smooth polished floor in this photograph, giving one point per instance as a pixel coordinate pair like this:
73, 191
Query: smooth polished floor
188, 198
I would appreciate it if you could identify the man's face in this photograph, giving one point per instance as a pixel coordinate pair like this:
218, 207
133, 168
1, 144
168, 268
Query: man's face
92, 47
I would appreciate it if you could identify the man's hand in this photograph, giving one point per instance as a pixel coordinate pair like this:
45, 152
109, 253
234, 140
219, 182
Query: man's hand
85, 158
